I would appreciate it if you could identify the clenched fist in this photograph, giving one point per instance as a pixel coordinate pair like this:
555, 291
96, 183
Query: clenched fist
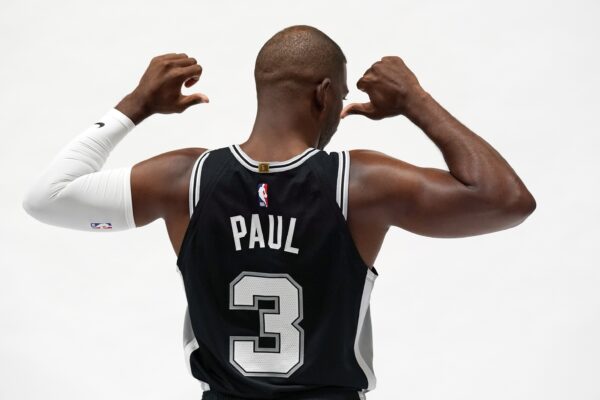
159, 89
390, 86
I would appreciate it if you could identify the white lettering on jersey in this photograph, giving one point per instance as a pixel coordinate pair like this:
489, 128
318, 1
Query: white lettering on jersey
256, 234
238, 234
238, 228
288, 241
272, 244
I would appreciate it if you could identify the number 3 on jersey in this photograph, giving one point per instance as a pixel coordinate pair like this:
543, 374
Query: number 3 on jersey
279, 323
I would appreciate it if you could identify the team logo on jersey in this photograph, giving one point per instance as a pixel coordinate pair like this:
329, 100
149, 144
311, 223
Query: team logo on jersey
101, 225
263, 199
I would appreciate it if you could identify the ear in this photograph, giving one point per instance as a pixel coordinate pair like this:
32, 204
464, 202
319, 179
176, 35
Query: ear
321, 93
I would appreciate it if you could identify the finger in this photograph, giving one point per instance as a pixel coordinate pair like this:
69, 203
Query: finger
363, 83
188, 72
186, 101
182, 62
366, 109
192, 81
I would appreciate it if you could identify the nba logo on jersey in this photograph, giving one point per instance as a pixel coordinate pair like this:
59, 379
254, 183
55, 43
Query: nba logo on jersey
263, 200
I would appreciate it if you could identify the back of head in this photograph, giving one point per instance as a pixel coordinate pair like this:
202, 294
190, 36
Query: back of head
297, 57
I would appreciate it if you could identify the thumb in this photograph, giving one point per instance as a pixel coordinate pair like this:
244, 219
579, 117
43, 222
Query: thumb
192, 99
365, 109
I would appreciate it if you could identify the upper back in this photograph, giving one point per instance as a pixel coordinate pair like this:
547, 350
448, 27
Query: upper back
271, 239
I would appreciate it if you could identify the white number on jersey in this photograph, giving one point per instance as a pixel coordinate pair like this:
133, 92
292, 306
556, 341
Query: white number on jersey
280, 323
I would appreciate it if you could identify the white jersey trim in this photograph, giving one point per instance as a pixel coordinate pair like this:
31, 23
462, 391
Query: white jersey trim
343, 174
274, 166
194, 188
363, 342
190, 343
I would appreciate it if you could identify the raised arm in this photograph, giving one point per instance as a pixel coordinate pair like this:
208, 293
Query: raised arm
73, 191
479, 194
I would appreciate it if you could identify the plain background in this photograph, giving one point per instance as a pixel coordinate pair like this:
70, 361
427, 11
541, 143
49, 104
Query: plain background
509, 315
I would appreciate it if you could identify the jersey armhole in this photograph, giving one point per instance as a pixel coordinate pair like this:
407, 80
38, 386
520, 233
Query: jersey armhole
336, 178
202, 182
341, 188
194, 186
363, 340
190, 344
193, 197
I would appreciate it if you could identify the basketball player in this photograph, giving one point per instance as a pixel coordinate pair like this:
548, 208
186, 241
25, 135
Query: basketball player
277, 238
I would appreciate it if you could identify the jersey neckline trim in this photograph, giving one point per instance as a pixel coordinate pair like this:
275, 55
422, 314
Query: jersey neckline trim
273, 166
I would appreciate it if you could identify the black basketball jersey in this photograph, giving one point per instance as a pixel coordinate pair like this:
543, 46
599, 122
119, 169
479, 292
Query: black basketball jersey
278, 295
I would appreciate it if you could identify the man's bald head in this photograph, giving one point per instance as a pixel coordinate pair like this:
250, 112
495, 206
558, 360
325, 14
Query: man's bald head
295, 57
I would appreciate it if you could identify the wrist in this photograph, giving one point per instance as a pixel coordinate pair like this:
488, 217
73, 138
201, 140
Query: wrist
134, 108
416, 104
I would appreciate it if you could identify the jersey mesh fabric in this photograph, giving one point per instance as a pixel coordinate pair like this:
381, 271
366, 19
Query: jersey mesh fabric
270, 321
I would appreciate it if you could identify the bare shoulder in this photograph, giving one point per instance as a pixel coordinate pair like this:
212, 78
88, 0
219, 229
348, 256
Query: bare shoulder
173, 163
159, 185
378, 172
385, 188
365, 160
362, 164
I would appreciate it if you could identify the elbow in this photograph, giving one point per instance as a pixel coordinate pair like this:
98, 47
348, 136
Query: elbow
33, 205
507, 208
529, 205
509, 197
518, 207
523, 203
28, 206
38, 203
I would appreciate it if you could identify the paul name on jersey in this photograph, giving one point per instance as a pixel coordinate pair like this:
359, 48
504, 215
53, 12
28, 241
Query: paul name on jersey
256, 237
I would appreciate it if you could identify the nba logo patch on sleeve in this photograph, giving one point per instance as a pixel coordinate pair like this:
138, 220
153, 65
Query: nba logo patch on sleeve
263, 199
101, 225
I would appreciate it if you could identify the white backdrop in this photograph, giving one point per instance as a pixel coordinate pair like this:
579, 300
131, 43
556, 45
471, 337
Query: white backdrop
509, 315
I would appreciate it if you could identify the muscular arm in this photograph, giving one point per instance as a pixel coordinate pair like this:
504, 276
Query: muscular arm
159, 189
75, 193
479, 194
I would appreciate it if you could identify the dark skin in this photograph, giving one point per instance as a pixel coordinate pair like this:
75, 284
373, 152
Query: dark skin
479, 194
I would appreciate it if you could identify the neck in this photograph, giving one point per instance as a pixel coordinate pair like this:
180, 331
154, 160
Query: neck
281, 131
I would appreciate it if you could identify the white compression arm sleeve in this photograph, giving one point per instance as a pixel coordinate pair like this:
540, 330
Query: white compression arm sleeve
73, 192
